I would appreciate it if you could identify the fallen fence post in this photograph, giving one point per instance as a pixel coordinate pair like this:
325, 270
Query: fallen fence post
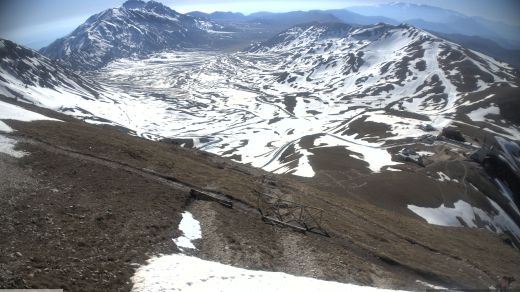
199, 195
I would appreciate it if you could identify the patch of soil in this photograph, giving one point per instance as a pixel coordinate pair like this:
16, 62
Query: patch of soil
80, 226
368, 129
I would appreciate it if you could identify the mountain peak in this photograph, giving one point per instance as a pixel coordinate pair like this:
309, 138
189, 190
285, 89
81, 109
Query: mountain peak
157, 7
151, 5
134, 4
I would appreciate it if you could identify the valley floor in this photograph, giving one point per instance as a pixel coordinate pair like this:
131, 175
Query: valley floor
87, 205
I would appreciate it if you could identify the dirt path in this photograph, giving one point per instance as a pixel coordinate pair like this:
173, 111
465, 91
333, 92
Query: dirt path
145, 173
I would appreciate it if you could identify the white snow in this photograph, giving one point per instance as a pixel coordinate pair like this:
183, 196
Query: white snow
184, 273
464, 214
425, 153
5, 128
446, 216
443, 177
7, 146
431, 286
479, 115
12, 112
376, 156
303, 169
190, 229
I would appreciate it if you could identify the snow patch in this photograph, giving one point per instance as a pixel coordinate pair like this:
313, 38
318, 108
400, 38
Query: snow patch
5, 128
479, 115
303, 167
7, 146
431, 286
191, 231
12, 112
179, 272
376, 156
443, 177
463, 214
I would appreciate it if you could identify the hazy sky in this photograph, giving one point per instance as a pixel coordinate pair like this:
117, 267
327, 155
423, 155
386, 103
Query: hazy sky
36, 22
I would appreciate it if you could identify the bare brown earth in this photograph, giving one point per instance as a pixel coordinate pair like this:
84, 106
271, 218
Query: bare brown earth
90, 203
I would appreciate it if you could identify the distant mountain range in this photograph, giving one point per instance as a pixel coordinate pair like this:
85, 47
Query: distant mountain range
445, 21
138, 28
499, 40
486, 46
423, 16
295, 17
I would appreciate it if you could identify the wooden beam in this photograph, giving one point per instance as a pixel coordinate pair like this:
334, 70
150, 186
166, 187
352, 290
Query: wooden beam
200, 195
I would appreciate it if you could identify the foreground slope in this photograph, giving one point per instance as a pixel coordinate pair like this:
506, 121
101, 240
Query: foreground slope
99, 201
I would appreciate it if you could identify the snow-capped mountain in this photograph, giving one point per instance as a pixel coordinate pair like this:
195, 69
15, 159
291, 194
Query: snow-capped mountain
404, 67
135, 28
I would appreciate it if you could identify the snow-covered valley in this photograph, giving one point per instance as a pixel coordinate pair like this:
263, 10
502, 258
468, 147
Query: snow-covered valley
258, 107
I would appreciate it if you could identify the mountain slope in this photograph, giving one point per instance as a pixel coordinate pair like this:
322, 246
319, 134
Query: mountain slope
390, 88
27, 75
136, 28
339, 105
329, 77
363, 58
485, 46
